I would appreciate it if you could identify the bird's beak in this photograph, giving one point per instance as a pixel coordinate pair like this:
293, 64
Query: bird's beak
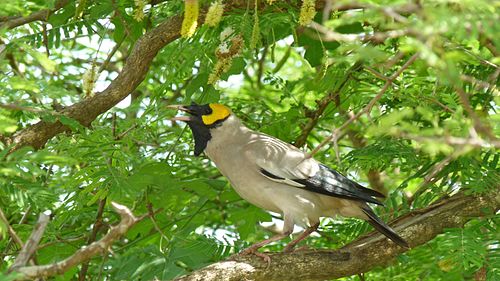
181, 108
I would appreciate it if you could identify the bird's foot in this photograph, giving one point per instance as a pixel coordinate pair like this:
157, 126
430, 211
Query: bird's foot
288, 248
254, 251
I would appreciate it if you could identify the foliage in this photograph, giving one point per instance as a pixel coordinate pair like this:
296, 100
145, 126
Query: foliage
439, 117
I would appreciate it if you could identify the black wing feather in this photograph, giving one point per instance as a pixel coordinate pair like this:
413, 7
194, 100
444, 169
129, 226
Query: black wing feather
363, 189
383, 228
330, 182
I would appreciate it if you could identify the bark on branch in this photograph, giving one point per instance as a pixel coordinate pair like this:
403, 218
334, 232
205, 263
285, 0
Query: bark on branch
41, 15
131, 76
362, 255
83, 254
31, 245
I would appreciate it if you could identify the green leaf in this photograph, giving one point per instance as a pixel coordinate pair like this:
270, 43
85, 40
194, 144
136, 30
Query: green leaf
246, 220
314, 54
196, 84
63, 15
351, 28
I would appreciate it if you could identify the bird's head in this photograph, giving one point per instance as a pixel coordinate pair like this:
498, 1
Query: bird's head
202, 118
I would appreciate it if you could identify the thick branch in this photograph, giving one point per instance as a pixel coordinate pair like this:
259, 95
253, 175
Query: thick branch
362, 255
131, 76
86, 253
41, 15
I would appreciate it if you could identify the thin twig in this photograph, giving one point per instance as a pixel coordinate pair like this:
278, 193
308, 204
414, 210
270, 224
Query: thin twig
151, 213
32, 244
473, 141
478, 83
431, 177
392, 61
60, 240
446, 108
261, 65
328, 35
366, 109
327, 10
283, 60
11, 230
477, 123
21, 221
85, 253
322, 105
45, 39
12, 106
124, 133
105, 64
376, 73
93, 235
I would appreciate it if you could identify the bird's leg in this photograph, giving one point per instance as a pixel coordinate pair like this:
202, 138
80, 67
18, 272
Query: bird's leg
253, 249
287, 230
301, 237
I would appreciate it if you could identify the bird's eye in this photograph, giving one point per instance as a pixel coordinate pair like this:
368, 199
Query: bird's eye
206, 110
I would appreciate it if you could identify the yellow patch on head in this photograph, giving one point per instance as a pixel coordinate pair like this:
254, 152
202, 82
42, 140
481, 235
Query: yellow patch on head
219, 112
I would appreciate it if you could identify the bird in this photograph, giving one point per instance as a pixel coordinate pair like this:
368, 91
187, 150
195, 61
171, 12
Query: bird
278, 177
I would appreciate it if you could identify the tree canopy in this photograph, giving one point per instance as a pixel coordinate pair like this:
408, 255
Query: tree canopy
98, 183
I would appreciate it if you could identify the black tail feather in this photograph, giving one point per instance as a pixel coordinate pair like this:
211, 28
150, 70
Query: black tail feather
383, 228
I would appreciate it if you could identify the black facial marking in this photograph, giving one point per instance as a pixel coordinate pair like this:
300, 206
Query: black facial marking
201, 135
201, 132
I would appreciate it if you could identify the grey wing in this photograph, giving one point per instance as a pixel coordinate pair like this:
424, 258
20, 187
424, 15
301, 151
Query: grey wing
279, 158
282, 162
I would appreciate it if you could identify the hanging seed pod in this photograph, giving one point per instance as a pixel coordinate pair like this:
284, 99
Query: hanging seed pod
307, 12
139, 9
214, 14
190, 21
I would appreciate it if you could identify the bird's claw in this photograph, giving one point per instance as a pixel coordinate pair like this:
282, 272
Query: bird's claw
263, 256
288, 249
254, 251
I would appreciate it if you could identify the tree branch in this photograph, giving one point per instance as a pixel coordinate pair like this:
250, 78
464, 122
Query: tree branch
41, 15
31, 245
322, 105
12, 106
10, 230
362, 255
479, 126
129, 78
85, 253
93, 235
